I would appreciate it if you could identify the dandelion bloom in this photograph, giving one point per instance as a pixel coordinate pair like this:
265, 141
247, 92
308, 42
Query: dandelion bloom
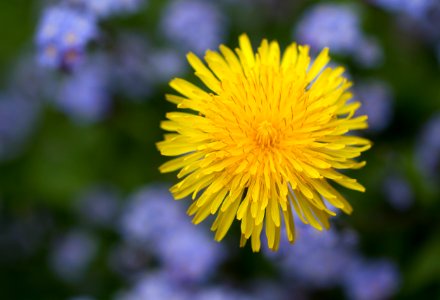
264, 140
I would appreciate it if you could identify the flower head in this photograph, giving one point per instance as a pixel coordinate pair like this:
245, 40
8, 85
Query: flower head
63, 35
264, 141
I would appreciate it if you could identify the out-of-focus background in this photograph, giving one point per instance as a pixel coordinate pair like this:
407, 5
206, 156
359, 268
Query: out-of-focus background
84, 212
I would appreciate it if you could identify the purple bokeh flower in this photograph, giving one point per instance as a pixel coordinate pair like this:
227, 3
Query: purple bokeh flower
166, 64
317, 258
154, 286
193, 25
63, 35
72, 255
189, 255
371, 280
414, 8
338, 27
107, 8
330, 258
151, 215
84, 95
222, 292
330, 25
154, 222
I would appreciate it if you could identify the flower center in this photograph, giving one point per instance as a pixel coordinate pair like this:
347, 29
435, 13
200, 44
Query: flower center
266, 135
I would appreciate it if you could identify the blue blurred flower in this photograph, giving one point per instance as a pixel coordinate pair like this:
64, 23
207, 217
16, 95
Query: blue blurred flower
193, 25
223, 292
417, 8
330, 25
398, 192
99, 206
166, 64
414, 8
153, 221
62, 36
153, 286
318, 258
84, 95
18, 117
189, 255
72, 255
371, 280
151, 214
377, 103
428, 148
107, 8
338, 26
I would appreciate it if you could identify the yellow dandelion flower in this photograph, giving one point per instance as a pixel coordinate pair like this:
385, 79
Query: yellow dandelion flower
267, 136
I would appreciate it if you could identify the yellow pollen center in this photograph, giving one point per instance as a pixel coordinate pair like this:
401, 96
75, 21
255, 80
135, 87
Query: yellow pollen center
266, 135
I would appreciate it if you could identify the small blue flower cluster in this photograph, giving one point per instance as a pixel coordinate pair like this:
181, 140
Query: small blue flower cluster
417, 9
158, 285
107, 8
193, 25
330, 258
338, 26
85, 94
155, 223
153, 229
72, 255
66, 29
371, 280
164, 256
63, 35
